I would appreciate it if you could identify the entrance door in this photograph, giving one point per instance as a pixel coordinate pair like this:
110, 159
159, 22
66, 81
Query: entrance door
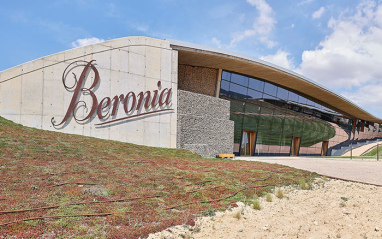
247, 143
324, 149
295, 148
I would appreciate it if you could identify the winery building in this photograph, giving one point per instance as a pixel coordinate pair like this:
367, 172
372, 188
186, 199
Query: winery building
173, 94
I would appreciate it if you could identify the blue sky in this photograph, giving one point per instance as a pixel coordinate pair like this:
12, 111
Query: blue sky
335, 43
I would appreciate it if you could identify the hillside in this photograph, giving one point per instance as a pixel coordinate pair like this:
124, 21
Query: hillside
58, 185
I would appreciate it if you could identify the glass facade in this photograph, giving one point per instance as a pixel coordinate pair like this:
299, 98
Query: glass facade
282, 118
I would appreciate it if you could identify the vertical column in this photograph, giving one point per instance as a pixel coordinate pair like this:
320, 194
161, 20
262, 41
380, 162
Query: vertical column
218, 82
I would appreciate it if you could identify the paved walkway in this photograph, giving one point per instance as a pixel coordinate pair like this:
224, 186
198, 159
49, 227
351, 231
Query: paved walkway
360, 150
362, 171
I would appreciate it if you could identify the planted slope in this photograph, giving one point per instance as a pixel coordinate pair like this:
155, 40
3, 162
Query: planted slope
55, 184
374, 152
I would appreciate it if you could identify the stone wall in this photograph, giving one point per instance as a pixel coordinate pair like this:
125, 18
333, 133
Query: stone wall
197, 79
203, 124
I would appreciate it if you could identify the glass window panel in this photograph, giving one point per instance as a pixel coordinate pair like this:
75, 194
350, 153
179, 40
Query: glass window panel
250, 123
270, 89
224, 88
309, 125
302, 100
273, 139
293, 97
226, 76
260, 137
237, 106
318, 106
327, 109
252, 108
237, 110
268, 97
298, 127
279, 112
288, 130
267, 111
258, 149
286, 141
309, 102
238, 128
265, 123
239, 79
282, 94
238, 91
253, 94
256, 84
236, 147
277, 124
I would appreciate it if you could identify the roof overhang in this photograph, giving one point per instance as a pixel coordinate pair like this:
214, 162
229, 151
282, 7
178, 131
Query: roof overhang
197, 55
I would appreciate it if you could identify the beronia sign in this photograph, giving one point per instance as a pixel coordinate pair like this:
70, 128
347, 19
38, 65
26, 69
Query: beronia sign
133, 104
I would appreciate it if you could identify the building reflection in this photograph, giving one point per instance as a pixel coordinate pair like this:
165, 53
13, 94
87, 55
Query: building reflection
274, 121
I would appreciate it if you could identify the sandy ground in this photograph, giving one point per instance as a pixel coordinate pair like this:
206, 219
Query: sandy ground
332, 209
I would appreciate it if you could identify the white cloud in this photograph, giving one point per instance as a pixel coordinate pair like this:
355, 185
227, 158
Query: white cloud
19, 16
305, 2
139, 26
262, 26
222, 11
111, 11
350, 58
217, 42
86, 41
281, 58
62, 32
317, 14
368, 96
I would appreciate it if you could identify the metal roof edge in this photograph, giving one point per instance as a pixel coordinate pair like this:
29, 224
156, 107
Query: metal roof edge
272, 66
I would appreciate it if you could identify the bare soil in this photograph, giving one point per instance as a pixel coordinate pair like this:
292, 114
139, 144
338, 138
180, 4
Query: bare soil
331, 209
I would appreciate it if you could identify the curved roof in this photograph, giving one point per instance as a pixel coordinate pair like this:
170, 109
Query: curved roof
197, 55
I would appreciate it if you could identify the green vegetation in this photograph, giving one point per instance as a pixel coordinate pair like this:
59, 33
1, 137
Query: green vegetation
343, 202
74, 186
345, 199
269, 197
305, 185
209, 212
279, 193
373, 152
256, 205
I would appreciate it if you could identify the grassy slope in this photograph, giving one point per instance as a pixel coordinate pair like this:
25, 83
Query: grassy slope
373, 152
40, 168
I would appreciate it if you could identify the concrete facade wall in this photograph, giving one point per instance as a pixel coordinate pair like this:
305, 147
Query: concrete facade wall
34, 94
203, 124
196, 79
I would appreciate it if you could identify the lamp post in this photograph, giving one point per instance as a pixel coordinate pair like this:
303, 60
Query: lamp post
351, 151
377, 152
